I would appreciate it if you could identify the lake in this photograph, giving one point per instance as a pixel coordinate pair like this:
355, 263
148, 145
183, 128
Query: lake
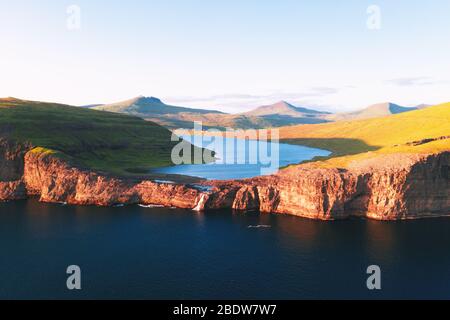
234, 158
161, 253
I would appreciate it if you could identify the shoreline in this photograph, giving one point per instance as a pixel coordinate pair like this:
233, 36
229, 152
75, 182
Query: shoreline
429, 216
388, 187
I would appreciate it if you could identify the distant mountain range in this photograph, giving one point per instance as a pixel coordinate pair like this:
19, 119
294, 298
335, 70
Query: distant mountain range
373, 111
153, 109
275, 115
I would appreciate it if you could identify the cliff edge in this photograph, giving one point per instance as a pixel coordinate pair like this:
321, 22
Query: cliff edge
387, 187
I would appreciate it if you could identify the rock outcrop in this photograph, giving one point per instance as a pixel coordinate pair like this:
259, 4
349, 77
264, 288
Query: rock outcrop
25, 172
11, 169
388, 187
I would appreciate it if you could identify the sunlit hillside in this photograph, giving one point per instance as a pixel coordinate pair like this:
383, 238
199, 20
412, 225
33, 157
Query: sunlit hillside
426, 130
105, 141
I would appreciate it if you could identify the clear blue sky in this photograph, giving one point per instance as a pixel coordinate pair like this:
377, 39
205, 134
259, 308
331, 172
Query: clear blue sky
229, 54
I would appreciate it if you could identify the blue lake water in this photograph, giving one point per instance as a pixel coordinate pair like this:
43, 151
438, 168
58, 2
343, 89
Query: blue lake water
134, 252
234, 158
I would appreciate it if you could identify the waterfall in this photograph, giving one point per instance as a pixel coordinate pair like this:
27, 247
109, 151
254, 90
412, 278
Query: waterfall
201, 203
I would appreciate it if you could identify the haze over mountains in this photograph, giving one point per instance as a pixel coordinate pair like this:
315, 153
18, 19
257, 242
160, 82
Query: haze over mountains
283, 108
283, 113
373, 111
275, 115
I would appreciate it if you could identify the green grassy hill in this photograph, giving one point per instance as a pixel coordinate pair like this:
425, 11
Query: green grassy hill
421, 131
109, 142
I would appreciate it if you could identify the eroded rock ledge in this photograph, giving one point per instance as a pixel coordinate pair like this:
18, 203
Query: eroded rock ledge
389, 187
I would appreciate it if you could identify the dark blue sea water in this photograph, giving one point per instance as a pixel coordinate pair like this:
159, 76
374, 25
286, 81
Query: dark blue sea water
135, 252
239, 159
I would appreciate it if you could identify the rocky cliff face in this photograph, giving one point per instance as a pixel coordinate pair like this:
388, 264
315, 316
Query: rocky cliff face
25, 172
390, 187
11, 170
55, 181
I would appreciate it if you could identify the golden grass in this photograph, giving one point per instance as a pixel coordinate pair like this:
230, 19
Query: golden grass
42, 150
352, 140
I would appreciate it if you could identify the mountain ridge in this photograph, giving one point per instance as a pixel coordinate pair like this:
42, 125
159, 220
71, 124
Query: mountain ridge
145, 106
154, 109
284, 108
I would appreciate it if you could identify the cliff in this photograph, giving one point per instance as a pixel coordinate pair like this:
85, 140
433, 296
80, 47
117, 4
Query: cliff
11, 170
388, 187
28, 172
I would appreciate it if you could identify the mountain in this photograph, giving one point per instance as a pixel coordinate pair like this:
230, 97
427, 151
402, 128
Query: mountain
173, 117
279, 114
284, 108
285, 114
149, 106
109, 142
373, 111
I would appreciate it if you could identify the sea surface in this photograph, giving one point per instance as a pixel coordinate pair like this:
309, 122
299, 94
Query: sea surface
162, 253
239, 159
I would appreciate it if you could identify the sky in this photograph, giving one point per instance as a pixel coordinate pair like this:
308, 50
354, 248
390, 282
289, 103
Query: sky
231, 55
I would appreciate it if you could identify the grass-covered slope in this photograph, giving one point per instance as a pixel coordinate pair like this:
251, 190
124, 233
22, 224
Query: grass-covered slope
104, 141
420, 131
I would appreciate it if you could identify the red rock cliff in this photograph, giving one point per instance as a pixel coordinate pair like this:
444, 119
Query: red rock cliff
390, 187
28, 173
11, 170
